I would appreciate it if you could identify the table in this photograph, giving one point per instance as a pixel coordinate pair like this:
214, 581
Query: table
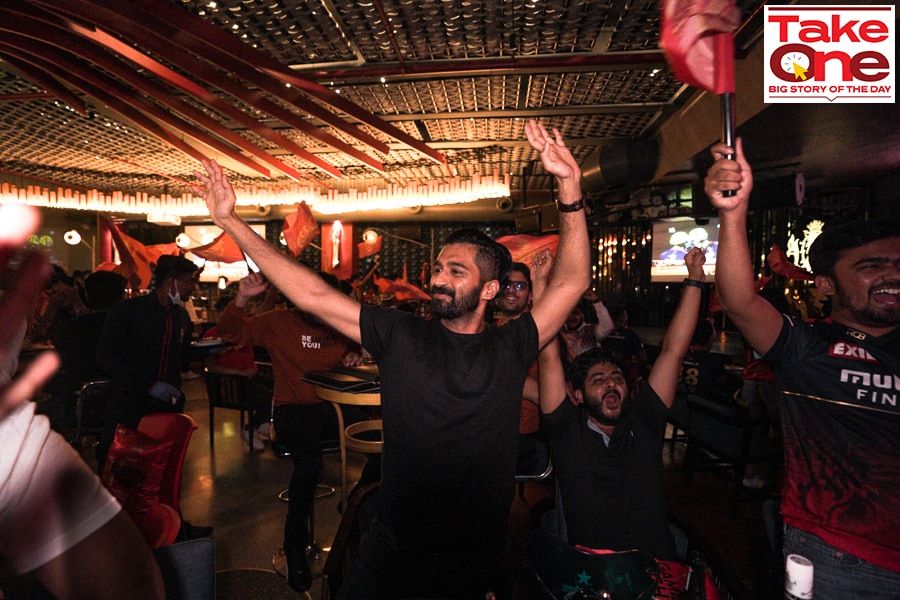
349, 437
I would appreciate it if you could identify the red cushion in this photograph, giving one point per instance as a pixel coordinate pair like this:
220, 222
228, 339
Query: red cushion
134, 468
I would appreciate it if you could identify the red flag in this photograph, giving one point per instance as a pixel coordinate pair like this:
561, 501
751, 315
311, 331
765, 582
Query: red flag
402, 289
299, 229
370, 249
157, 250
696, 38
524, 247
222, 249
781, 264
136, 258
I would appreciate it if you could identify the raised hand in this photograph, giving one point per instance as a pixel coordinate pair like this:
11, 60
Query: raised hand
556, 158
252, 285
726, 174
216, 191
694, 261
541, 265
17, 222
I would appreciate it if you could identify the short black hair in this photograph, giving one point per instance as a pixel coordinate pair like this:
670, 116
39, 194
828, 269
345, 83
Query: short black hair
102, 289
171, 266
582, 363
518, 267
834, 240
493, 259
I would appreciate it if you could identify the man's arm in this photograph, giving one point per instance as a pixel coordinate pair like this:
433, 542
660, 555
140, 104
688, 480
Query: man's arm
758, 321
301, 284
604, 325
572, 269
663, 376
113, 563
552, 380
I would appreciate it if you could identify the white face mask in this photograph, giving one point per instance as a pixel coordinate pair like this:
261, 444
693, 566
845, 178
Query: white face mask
175, 298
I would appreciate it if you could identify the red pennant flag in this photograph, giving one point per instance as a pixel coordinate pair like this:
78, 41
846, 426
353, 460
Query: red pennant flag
300, 229
782, 265
696, 38
370, 249
136, 258
222, 249
524, 247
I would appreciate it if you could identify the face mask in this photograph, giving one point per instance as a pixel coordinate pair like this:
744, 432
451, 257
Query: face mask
175, 298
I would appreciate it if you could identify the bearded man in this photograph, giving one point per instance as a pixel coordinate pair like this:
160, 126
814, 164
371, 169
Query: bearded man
606, 447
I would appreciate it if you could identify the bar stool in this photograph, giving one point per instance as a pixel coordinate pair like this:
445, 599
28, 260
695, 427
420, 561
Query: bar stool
351, 433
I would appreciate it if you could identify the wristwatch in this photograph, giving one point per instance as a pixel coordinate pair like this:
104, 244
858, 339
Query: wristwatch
573, 207
688, 282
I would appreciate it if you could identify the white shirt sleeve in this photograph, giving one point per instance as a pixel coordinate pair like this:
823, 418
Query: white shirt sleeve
50, 500
604, 324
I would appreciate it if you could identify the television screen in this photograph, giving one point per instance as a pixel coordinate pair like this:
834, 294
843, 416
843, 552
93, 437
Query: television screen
673, 238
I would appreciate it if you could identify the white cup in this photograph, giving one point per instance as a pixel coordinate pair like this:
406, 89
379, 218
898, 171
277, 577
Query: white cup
798, 577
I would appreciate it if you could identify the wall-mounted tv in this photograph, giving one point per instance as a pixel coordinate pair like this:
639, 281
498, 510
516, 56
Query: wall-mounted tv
673, 238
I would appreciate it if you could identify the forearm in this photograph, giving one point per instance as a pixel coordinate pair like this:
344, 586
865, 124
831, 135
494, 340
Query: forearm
113, 563
734, 270
678, 335
552, 381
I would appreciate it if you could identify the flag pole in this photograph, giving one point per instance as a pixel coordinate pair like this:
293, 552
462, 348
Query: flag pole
724, 52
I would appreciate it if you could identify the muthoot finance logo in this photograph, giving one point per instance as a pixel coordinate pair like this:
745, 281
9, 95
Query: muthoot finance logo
829, 54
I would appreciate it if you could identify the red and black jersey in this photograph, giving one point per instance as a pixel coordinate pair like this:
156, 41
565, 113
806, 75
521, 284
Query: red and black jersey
841, 423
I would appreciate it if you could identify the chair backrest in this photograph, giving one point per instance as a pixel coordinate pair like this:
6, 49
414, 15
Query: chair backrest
90, 408
229, 390
188, 569
177, 427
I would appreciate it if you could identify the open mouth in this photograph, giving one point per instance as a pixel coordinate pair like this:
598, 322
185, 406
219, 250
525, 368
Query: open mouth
886, 296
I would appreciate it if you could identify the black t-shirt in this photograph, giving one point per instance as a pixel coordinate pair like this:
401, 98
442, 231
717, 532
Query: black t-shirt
613, 495
450, 405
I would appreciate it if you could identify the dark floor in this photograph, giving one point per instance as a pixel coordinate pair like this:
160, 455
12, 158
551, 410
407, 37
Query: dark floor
237, 493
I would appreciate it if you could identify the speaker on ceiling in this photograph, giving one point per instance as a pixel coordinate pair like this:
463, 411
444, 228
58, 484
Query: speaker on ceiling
630, 163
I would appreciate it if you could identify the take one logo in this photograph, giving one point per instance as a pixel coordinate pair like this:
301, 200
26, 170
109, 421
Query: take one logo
821, 54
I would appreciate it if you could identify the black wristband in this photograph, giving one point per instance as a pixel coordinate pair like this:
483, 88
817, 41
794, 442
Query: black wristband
688, 282
573, 207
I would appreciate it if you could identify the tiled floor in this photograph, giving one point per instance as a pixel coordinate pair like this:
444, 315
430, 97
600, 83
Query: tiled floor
237, 493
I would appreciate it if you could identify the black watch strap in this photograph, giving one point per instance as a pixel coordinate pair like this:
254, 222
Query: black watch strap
573, 207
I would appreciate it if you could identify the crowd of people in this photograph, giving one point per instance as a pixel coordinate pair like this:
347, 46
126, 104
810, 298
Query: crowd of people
467, 402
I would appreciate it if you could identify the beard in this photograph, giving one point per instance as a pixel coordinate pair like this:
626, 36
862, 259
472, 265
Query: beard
456, 307
594, 407
867, 315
